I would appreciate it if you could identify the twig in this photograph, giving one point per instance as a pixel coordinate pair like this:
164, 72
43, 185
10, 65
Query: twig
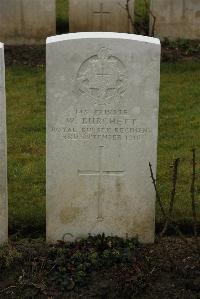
131, 19
173, 193
157, 193
129, 14
152, 33
192, 191
167, 218
126, 7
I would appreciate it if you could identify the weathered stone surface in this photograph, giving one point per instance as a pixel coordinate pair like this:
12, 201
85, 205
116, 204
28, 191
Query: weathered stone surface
102, 114
176, 18
3, 154
27, 21
100, 15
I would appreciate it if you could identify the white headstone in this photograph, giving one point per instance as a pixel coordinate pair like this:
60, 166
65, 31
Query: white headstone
27, 21
176, 18
102, 126
3, 154
100, 15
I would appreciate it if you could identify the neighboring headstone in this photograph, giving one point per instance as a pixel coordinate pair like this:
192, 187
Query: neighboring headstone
100, 15
27, 21
3, 154
102, 126
176, 18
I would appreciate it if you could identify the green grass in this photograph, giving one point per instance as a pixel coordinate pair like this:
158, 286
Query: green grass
179, 130
26, 147
179, 124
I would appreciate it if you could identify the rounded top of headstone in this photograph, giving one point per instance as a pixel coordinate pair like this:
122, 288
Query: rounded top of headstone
104, 35
1, 45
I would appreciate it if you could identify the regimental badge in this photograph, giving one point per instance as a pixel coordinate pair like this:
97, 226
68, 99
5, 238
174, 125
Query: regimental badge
102, 77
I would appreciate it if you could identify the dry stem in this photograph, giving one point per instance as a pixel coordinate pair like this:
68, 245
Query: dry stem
167, 218
152, 33
173, 193
192, 191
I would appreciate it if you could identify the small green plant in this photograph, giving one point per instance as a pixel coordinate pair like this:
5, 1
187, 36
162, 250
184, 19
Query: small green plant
182, 47
73, 262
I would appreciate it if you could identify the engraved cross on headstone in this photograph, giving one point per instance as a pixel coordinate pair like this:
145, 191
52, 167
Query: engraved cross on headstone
101, 14
103, 74
100, 173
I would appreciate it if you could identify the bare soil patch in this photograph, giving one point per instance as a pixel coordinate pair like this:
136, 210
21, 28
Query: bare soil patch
101, 268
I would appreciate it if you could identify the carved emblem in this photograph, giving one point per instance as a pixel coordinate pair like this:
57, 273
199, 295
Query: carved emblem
102, 77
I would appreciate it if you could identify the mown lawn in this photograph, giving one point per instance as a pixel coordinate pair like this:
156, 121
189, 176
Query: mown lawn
26, 147
179, 132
